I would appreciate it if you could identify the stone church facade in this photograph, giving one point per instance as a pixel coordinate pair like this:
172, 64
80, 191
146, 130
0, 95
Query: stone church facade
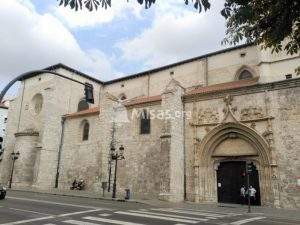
188, 129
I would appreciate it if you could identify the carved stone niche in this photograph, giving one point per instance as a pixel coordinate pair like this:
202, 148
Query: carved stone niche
208, 116
252, 113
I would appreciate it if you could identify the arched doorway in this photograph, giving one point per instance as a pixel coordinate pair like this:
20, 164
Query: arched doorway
221, 157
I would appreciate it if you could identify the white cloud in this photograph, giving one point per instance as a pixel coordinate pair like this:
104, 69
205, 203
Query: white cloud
31, 41
85, 18
176, 33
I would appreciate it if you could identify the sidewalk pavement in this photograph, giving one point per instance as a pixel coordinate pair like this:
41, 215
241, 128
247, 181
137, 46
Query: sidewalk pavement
290, 214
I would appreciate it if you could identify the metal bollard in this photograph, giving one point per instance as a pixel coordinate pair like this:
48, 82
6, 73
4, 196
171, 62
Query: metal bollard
127, 194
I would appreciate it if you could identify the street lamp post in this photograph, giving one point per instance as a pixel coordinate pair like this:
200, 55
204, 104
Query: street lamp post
14, 157
116, 155
249, 169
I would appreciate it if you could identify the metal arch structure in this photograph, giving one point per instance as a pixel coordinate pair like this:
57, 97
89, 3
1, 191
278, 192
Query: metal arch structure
29, 75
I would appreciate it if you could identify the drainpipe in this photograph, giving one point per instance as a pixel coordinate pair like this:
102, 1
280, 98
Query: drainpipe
184, 153
63, 120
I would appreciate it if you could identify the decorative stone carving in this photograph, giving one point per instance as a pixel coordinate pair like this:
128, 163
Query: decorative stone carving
229, 111
208, 116
252, 113
253, 125
268, 135
207, 129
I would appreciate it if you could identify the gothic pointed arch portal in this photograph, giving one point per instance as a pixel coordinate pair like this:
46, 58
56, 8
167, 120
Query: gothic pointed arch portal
231, 142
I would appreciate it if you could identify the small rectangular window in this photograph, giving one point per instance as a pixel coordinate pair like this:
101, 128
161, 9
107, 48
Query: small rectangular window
145, 125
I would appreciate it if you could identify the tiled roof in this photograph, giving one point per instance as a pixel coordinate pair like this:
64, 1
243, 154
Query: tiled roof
3, 106
143, 100
88, 112
223, 86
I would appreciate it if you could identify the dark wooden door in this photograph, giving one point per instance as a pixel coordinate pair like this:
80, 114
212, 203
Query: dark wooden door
230, 178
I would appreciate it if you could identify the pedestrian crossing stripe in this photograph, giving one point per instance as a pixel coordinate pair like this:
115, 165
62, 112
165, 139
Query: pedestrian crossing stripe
247, 220
105, 214
191, 213
208, 211
77, 222
168, 215
157, 217
119, 222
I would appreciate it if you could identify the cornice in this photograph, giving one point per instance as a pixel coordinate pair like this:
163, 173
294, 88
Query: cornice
257, 88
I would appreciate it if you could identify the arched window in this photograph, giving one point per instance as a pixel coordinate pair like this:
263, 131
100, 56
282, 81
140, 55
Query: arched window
82, 105
37, 103
145, 125
245, 74
86, 131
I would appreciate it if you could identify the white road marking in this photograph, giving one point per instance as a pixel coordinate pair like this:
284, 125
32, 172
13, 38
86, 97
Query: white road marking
77, 222
104, 214
239, 222
49, 224
119, 222
28, 221
78, 213
211, 218
54, 203
157, 217
208, 211
190, 213
50, 217
29, 211
168, 215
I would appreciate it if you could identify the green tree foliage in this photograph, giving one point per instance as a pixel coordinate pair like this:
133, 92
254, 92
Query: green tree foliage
264, 22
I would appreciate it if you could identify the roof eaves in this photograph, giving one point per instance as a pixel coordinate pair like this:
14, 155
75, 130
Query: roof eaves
158, 69
144, 100
61, 65
3, 107
89, 112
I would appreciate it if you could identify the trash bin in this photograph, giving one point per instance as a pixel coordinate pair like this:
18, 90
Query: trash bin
127, 194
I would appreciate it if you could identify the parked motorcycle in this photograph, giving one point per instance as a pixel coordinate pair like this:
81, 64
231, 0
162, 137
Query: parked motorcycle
2, 192
78, 185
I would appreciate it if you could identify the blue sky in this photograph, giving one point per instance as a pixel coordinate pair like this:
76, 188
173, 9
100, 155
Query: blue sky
106, 44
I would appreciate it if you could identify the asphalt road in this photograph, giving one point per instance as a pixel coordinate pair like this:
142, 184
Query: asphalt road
33, 209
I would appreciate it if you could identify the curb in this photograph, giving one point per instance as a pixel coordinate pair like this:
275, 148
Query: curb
79, 196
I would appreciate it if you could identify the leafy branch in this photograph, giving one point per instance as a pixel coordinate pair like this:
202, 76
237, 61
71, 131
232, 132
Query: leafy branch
95, 4
273, 24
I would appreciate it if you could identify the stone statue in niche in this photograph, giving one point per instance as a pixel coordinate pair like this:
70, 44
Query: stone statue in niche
252, 112
208, 116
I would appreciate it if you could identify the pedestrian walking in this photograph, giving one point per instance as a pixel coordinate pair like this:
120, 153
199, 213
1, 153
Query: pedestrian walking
242, 194
252, 193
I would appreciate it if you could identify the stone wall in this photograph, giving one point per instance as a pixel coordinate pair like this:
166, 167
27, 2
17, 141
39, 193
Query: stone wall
274, 115
142, 168
3, 121
58, 97
81, 159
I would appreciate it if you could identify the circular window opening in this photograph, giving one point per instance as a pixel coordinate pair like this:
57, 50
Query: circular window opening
37, 103
123, 97
245, 74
